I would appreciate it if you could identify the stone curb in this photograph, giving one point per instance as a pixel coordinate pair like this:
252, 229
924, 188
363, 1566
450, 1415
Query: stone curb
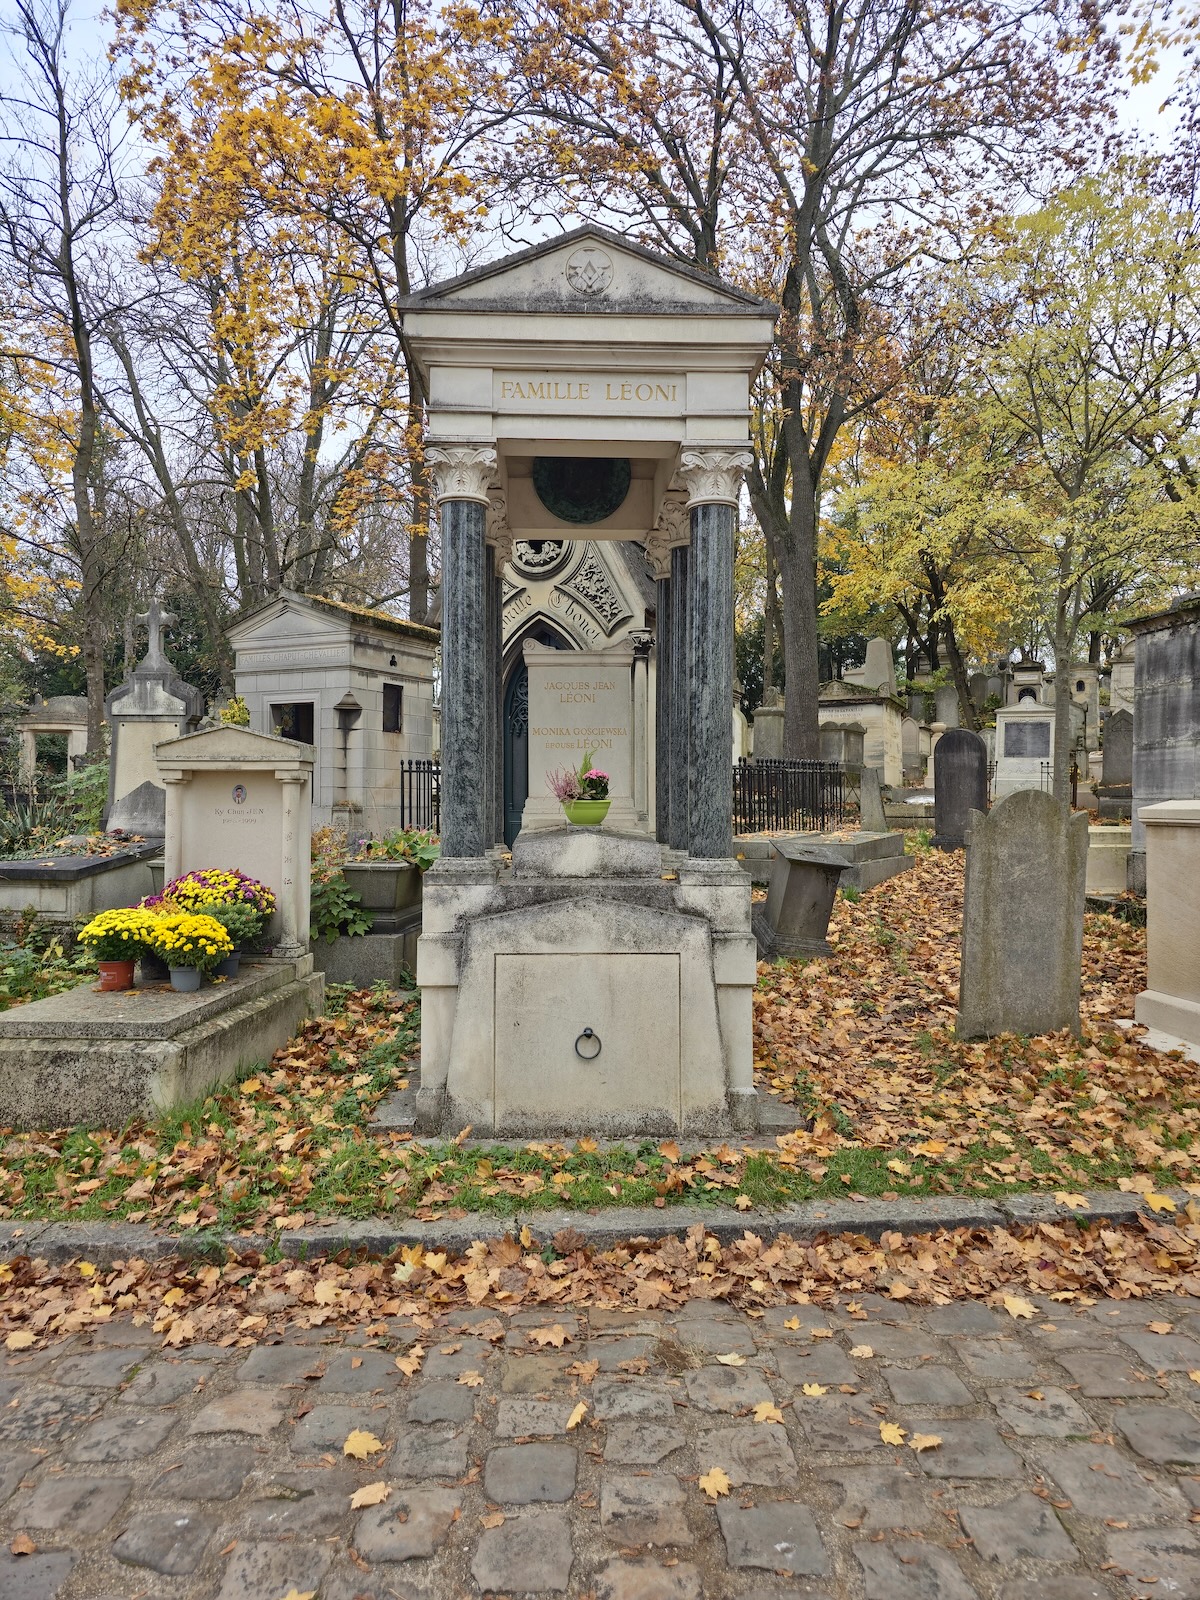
105, 1242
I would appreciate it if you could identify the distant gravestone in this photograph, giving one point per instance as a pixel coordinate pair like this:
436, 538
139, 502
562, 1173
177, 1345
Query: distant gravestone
152, 705
870, 802
1022, 943
768, 728
880, 669
1118, 749
945, 702
960, 785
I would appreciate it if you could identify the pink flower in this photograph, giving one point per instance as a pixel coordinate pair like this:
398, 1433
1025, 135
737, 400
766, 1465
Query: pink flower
595, 772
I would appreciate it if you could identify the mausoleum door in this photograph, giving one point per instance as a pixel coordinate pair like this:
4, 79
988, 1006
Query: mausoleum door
516, 730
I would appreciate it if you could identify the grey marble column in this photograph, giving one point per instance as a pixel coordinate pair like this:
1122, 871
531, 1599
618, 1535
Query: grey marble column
662, 712
710, 681
495, 663
467, 802
680, 748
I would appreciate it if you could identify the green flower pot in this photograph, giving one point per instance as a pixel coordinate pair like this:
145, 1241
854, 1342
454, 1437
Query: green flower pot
586, 813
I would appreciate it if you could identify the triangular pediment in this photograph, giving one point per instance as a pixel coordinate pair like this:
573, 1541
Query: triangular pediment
286, 615
228, 745
589, 270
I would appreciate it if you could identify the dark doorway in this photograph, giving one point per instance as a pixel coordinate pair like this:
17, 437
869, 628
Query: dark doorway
516, 729
293, 720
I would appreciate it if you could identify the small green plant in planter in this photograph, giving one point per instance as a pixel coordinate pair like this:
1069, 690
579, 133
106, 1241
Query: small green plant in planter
243, 923
405, 844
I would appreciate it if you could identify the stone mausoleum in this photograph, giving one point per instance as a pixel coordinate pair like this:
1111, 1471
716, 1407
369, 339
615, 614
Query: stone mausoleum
356, 685
586, 394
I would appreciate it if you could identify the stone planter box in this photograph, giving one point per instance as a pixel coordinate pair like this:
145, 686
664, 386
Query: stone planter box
67, 888
388, 888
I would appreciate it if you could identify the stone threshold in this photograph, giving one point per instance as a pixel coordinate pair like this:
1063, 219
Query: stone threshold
105, 1242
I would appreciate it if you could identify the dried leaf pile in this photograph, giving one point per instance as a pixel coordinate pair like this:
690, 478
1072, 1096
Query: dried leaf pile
250, 1299
863, 1044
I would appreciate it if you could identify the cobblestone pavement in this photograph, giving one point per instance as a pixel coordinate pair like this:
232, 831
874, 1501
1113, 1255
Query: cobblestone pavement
1067, 1466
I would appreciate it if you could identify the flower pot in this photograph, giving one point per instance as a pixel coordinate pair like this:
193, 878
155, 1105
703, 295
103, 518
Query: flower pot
229, 967
115, 975
154, 969
186, 979
586, 813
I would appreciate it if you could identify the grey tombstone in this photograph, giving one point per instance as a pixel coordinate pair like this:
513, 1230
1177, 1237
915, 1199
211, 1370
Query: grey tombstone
945, 701
870, 802
1022, 942
978, 686
800, 895
879, 671
960, 785
768, 728
1118, 749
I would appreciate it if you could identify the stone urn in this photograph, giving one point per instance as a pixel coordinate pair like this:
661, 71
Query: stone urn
384, 886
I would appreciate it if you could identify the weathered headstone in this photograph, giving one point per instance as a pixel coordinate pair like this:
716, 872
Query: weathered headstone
153, 704
580, 702
945, 700
843, 742
1022, 943
768, 728
870, 802
1118, 749
800, 895
879, 671
960, 785
243, 800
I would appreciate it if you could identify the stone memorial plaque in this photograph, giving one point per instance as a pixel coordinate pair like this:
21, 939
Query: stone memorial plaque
579, 701
1027, 741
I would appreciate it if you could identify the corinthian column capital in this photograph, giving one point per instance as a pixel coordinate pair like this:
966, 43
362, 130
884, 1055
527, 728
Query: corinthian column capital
712, 477
461, 471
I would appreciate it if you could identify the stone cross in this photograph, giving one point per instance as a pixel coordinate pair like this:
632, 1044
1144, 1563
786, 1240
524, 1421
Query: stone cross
157, 622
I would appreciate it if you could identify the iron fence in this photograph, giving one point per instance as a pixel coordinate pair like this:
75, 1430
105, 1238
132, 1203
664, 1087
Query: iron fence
773, 796
421, 795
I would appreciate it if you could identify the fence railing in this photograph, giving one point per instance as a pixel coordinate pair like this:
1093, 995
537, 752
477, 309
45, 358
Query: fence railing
421, 795
808, 796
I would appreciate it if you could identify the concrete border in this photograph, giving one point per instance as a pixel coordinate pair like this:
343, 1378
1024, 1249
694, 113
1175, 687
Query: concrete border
106, 1242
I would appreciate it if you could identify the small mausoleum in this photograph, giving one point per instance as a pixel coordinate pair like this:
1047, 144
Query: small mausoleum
588, 392
355, 684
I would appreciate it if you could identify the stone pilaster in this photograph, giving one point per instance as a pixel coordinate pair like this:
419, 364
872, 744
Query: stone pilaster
662, 711
462, 476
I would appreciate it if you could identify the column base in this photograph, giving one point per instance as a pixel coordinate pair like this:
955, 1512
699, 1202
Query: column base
1169, 1013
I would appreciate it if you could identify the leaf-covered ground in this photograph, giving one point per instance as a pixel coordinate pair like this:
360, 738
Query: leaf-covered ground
862, 1044
246, 1300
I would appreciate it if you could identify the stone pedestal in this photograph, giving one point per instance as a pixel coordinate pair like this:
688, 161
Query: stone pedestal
803, 886
1171, 1000
585, 934
1108, 859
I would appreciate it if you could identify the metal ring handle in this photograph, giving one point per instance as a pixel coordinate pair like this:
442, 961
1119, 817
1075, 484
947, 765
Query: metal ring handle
595, 1037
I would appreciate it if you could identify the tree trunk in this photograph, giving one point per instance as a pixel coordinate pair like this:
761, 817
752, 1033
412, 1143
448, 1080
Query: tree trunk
769, 608
797, 551
1062, 701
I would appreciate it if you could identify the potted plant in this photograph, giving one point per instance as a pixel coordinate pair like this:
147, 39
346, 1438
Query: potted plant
583, 795
118, 939
192, 945
243, 923
385, 873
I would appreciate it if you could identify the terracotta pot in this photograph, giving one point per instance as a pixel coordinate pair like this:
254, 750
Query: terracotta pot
186, 979
115, 975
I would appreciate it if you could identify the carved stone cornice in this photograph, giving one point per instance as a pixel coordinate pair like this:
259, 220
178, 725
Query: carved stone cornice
713, 477
461, 471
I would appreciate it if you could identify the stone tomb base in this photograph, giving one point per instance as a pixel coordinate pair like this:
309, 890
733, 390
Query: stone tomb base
368, 958
100, 1059
587, 991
